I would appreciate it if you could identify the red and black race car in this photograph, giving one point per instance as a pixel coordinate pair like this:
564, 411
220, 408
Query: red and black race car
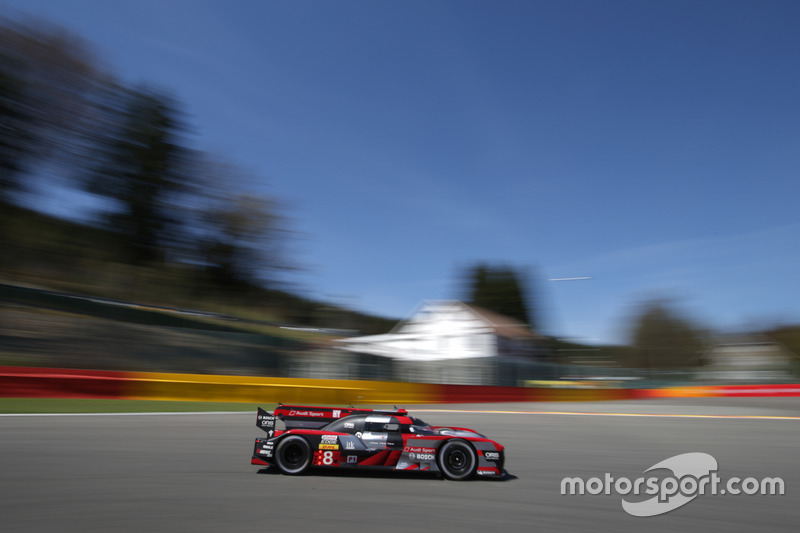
350, 437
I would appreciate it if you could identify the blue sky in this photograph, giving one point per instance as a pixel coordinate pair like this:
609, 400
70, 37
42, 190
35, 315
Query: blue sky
654, 146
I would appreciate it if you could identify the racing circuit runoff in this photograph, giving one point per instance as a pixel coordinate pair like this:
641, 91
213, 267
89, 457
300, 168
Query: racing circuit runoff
352, 438
155, 471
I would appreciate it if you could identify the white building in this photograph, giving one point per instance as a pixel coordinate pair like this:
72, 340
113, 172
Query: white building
747, 359
452, 342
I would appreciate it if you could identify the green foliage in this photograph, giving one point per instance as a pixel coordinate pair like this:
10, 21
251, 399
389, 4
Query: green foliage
240, 237
789, 337
180, 229
15, 138
141, 166
60, 109
663, 338
99, 309
50, 97
499, 289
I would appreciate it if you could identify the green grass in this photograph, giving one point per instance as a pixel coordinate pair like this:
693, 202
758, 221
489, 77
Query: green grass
72, 405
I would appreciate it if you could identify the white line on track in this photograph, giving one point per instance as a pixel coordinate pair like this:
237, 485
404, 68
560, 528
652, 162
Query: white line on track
134, 414
577, 413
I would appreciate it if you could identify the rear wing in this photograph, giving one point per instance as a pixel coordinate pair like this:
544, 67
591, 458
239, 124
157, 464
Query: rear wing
308, 417
266, 421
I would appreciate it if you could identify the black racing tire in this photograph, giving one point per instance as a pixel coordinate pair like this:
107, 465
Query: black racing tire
457, 460
293, 455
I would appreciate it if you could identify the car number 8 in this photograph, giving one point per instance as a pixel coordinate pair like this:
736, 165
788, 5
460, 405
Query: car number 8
327, 458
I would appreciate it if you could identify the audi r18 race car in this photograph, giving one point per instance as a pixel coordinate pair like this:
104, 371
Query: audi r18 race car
349, 438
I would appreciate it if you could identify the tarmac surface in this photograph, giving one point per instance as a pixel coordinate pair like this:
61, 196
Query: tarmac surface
192, 472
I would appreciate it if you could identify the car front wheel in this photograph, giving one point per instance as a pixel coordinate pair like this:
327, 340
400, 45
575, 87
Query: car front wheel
457, 460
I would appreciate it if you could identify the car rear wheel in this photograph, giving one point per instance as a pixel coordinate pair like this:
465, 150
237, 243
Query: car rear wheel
293, 455
457, 460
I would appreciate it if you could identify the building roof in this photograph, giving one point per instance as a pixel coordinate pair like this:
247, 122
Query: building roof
443, 319
503, 325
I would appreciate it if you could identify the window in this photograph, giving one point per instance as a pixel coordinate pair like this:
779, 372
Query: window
348, 424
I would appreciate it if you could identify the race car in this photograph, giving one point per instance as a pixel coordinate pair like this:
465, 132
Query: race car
348, 438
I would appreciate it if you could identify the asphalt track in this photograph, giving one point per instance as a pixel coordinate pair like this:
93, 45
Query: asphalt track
191, 472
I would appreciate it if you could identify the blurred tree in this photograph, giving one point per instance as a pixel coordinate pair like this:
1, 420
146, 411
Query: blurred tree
15, 137
788, 336
63, 117
141, 168
50, 92
664, 339
499, 289
239, 237
243, 242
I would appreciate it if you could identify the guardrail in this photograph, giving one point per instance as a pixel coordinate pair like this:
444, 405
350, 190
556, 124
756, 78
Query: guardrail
28, 382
